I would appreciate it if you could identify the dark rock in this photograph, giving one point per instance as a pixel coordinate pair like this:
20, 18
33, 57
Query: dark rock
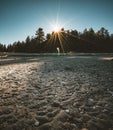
56, 104
42, 119
5, 111
68, 68
62, 116
41, 113
46, 126
52, 114
8, 119
86, 117
91, 125
103, 124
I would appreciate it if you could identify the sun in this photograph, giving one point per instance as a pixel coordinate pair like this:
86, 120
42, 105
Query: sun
56, 28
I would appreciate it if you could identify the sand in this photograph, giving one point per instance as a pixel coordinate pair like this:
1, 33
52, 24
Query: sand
56, 93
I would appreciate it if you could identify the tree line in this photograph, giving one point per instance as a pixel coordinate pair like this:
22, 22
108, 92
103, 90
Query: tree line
65, 40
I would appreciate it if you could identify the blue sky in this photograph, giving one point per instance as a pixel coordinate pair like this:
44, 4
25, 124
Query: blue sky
20, 18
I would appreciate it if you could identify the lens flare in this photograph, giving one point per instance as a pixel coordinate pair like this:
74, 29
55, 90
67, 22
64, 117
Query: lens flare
56, 27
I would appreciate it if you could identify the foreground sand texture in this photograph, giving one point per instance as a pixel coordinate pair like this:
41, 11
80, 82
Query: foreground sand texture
56, 93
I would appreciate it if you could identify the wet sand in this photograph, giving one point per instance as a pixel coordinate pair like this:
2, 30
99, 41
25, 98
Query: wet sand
56, 93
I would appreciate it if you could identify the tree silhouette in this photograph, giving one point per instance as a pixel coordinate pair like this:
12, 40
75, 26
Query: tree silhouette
48, 36
2, 48
65, 40
40, 35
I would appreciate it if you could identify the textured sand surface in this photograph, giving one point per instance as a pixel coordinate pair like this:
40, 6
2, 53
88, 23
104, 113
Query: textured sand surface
56, 93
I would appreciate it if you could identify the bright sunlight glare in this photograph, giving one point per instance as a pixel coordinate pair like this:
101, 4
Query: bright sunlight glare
56, 27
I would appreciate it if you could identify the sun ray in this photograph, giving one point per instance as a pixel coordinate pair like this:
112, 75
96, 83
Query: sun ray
60, 40
65, 40
58, 37
80, 38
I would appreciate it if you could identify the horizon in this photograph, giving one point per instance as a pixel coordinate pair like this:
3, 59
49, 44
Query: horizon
20, 19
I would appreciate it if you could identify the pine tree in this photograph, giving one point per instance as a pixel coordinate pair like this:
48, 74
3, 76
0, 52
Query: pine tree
40, 35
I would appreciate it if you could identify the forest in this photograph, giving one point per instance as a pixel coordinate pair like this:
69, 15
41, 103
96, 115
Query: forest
66, 40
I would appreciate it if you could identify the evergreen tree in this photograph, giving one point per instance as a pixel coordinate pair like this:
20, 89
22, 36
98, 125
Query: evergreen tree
48, 36
40, 35
86, 41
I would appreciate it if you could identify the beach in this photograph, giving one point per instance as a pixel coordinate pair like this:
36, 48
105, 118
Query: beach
70, 92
